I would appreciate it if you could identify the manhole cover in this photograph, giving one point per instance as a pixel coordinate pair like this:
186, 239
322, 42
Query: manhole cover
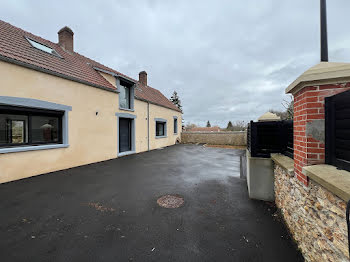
170, 201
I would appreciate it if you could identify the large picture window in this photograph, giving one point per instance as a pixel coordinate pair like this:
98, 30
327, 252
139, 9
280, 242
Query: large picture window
21, 126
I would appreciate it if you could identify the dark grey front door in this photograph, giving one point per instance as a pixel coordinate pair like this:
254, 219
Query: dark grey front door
124, 134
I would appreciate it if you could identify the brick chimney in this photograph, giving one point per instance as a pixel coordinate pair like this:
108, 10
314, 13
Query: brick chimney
143, 78
65, 39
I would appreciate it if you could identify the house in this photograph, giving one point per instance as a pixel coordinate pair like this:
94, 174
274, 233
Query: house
205, 129
60, 109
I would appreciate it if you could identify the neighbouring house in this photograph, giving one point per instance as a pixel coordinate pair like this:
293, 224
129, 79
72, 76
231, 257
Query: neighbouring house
59, 109
205, 129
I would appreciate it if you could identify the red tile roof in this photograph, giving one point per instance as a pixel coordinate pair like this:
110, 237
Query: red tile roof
15, 48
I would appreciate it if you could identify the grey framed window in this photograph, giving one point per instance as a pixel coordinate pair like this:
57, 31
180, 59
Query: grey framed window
126, 94
28, 126
161, 128
175, 125
124, 97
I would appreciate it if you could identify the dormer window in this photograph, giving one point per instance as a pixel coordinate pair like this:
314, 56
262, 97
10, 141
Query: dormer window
126, 95
42, 47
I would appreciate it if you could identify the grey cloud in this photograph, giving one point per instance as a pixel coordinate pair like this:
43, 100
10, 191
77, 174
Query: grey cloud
228, 60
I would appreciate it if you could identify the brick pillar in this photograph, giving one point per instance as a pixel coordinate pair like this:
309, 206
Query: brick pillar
309, 125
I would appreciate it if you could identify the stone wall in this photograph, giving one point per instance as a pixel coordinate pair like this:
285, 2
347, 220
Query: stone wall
215, 138
314, 216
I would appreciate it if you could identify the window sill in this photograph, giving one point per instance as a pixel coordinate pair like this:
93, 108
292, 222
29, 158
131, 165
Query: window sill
335, 180
126, 109
127, 153
285, 162
157, 137
31, 148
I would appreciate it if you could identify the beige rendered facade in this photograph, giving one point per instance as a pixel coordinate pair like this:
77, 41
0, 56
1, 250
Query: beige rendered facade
92, 129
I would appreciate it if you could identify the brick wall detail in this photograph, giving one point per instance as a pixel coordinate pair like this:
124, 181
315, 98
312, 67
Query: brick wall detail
309, 110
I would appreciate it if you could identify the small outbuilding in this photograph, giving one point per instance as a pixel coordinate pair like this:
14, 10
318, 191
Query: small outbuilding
268, 116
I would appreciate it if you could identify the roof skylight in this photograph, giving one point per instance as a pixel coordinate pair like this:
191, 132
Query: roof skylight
42, 47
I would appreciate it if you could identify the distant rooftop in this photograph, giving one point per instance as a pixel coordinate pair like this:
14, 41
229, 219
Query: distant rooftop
268, 116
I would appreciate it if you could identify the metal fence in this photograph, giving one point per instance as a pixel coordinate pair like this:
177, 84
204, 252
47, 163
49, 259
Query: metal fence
337, 132
264, 138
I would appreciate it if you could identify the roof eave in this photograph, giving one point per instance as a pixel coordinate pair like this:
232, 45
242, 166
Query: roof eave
115, 75
145, 100
50, 72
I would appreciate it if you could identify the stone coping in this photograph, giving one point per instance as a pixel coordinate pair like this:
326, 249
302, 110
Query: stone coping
321, 74
335, 180
285, 162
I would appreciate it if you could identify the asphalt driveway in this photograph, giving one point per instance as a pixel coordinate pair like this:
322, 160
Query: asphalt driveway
108, 212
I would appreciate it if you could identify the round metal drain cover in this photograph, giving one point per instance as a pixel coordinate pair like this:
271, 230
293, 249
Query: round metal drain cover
170, 201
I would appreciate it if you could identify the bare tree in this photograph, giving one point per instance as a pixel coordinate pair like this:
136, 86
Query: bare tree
289, 110
289, 106
239, 125
190, 126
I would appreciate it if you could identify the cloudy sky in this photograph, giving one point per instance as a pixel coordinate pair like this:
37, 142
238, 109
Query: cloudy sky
228, 60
